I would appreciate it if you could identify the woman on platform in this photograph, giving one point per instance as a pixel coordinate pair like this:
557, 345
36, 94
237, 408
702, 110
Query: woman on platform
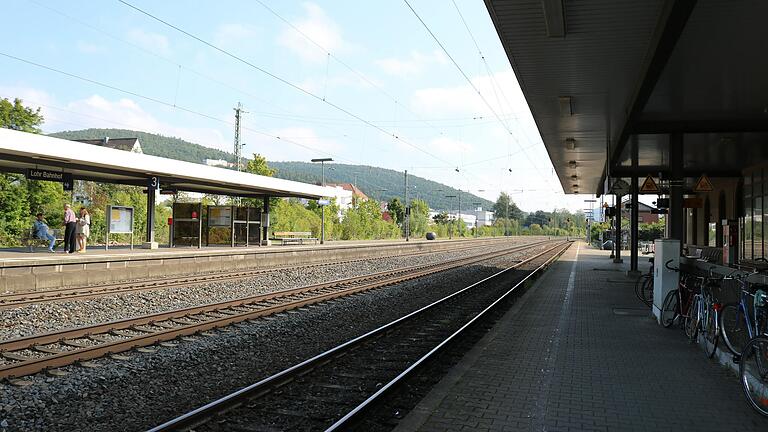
83, 229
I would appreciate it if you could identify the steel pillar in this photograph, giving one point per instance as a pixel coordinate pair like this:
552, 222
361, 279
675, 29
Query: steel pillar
676, 185
634, 212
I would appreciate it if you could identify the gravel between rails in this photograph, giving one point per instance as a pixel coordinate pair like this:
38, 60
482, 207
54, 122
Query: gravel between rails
44, 317
135, 394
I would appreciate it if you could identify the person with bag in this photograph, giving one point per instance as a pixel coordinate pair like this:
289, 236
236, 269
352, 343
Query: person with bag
83, 230
70, 224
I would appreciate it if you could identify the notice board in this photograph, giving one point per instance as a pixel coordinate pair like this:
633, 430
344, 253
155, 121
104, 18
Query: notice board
220, 216
120, 219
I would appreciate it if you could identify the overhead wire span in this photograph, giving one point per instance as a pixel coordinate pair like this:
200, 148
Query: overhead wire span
282, 80
165, 103
472, 84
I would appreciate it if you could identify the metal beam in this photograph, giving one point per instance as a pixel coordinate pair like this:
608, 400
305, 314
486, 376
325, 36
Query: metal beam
653, 170
660, 126
667, 34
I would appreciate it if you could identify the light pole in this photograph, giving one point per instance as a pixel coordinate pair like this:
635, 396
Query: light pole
407, 221
477, 214
590, 219
322, 214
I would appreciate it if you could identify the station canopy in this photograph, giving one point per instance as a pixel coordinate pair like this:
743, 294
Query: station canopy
21, 151
602, 76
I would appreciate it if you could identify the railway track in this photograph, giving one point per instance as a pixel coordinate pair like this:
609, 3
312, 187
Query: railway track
332, 390
32, 354
13, 300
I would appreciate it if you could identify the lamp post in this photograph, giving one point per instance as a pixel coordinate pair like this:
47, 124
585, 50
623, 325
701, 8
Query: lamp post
477, 213
590, 219
322, 214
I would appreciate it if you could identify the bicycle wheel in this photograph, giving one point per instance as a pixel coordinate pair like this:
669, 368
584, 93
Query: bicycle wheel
733, 328
711, 331
692, 319
647, 291
640, 289
671, 309
753, 371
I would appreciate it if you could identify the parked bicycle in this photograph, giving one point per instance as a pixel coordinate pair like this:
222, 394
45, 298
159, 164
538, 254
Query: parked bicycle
644, 286
744, 320
677, 303
703, 317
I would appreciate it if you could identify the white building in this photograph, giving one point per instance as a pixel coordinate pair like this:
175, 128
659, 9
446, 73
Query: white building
484, 218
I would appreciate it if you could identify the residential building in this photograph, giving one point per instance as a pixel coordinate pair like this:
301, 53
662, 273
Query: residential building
126, 144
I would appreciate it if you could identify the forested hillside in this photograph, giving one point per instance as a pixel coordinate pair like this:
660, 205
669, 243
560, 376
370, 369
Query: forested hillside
378, 183
153, 144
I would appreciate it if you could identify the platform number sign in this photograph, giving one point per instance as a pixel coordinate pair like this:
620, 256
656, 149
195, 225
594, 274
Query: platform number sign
153, 183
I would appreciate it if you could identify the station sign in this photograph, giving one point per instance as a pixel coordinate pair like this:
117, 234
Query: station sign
323, 202
649, 186
620, 187
693, 202
703, 184
48, 175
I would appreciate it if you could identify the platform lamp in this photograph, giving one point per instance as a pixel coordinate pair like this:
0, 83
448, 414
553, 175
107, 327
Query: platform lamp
322, 183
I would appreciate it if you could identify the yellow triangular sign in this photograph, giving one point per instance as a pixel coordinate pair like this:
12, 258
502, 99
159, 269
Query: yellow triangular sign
703, 185
649, 186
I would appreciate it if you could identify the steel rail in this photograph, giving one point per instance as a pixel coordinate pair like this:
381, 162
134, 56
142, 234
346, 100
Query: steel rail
354, 414
202, 414
12, 300
189, 321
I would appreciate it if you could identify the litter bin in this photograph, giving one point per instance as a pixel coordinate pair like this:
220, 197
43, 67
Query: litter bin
431, 236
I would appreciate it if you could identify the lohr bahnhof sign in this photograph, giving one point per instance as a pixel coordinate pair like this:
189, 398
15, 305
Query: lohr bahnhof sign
48, 175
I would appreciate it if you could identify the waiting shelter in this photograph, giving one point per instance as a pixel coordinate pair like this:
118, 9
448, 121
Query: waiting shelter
55, 159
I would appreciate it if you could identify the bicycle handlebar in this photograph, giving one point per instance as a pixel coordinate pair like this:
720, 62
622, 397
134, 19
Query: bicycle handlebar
666, 264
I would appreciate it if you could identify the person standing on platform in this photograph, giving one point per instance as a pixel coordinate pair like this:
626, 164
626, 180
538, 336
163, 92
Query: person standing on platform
41, 232
70, 224
83, 229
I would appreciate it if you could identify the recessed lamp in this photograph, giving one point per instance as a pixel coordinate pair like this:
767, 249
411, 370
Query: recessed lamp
570, 143
574, 177
572, 164
575, 186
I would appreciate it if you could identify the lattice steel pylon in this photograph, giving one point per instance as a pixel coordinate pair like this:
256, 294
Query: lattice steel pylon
238, 146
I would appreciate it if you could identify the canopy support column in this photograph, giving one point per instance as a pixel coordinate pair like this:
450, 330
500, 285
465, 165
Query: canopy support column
634, 212
265, 222
676, 184
152, 186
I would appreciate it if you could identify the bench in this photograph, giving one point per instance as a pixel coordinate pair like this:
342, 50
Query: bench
291, 237
29, 240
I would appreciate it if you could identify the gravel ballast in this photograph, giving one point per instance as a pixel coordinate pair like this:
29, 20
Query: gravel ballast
135, 394
45, 317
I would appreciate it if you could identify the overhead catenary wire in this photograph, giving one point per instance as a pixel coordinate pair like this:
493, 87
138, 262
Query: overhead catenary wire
472, 84
283, 81
167, 104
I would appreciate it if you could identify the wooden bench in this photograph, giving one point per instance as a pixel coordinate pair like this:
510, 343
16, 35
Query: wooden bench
291, 237
29, 240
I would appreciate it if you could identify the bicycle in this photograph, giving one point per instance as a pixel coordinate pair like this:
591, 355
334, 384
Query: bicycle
738, 324
677, 303
644, 286
703, 318
753, 373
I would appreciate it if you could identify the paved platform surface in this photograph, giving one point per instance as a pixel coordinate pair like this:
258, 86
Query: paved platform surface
578, 353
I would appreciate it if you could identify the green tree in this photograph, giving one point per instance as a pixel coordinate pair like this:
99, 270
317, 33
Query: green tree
14, 115
419, 221
500, 208
441, 218
258, 165
396, 210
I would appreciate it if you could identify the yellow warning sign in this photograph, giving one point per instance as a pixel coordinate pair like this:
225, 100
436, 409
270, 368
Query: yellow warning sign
703, 184
649, 186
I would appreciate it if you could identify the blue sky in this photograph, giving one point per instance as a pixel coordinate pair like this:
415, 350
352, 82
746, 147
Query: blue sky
377, 74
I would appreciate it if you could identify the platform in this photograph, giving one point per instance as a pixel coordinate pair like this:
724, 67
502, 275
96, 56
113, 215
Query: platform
577, 352
24, 271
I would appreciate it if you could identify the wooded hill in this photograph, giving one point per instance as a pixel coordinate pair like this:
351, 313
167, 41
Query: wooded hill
378, 183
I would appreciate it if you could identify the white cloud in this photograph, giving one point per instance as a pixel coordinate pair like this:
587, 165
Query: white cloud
154, 42
89, 47
415, 64
236, 35
318, 27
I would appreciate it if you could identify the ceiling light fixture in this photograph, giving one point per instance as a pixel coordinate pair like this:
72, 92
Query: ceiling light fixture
570, 143
566, 106
554, 18
572, 164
